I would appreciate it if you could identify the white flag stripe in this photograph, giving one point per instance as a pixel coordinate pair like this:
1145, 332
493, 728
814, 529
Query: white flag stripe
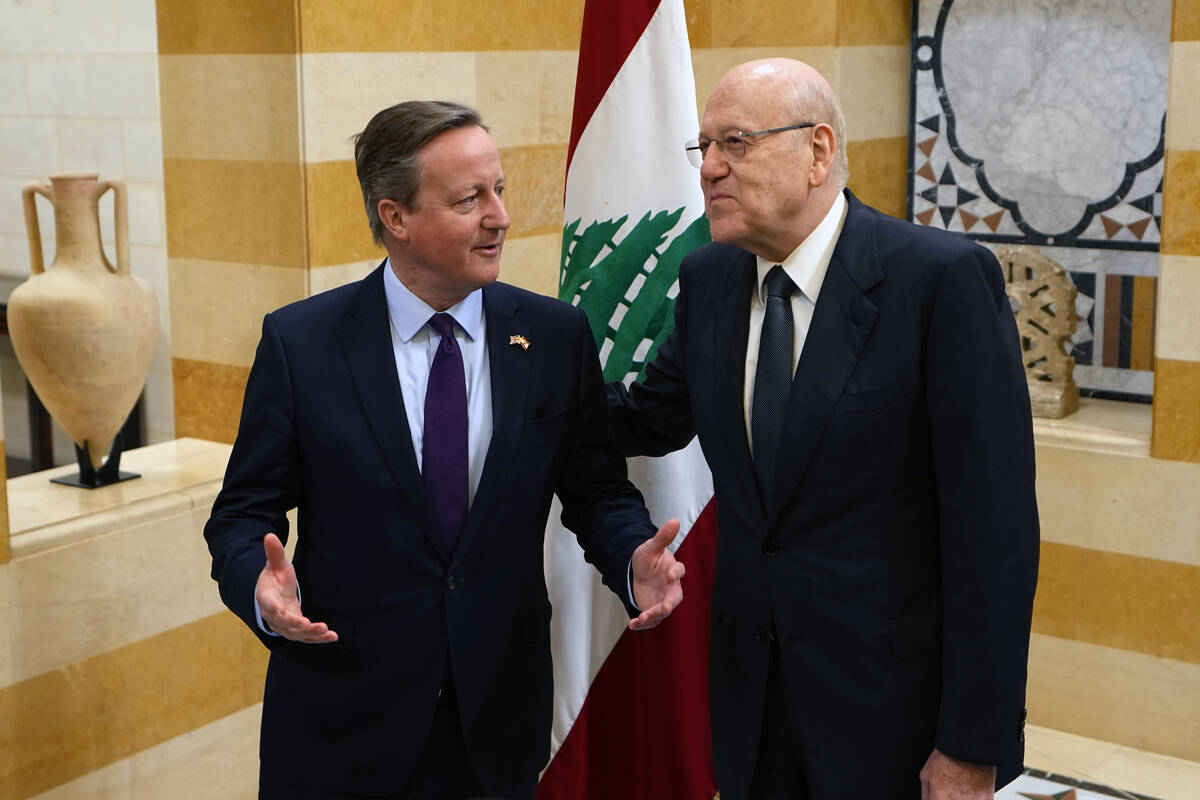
629, 161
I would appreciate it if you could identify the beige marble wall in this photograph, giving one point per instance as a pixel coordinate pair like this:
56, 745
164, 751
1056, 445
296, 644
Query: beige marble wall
112, 636
1177, 344
79, 92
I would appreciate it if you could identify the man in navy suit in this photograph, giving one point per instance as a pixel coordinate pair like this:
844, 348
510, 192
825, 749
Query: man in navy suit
857, 387
420, 422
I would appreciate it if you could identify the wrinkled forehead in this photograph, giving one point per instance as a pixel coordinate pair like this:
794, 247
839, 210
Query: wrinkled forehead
742, 102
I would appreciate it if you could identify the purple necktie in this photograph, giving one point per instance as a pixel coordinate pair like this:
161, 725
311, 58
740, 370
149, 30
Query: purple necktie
444, 452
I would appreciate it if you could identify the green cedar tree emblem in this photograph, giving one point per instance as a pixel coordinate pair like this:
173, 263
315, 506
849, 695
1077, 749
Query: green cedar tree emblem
598, 274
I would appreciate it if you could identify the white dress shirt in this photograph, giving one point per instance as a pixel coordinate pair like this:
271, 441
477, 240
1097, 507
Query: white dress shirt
414, 344
806, 266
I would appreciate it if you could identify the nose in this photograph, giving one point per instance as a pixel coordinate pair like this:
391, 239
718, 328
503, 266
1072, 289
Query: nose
714, 164
497, 215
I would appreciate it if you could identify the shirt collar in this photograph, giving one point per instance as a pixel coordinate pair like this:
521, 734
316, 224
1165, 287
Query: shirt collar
410, 313
806, 264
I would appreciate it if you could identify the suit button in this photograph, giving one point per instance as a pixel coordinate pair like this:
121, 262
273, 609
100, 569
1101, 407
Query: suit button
451, 583
771, 547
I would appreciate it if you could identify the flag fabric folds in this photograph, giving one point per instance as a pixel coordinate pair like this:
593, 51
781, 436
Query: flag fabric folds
631, 709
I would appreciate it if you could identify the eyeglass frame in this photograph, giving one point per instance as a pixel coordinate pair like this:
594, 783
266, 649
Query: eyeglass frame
694, 146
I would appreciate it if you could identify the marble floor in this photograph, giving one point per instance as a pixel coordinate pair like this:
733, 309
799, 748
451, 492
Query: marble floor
219, 762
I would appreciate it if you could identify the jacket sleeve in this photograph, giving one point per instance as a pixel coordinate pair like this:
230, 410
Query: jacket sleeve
604, 510
261, 482
653, 417
982, 437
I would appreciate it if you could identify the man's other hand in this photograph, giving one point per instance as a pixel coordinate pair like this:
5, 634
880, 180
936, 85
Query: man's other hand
279, 600
946, 778
657, 578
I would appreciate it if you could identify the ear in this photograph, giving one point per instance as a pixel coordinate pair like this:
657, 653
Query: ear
824, 145
394, 218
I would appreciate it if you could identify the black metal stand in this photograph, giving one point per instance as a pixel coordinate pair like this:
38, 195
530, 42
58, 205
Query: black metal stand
91, 478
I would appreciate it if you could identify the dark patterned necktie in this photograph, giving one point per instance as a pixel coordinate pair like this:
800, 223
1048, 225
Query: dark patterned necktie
773, 377
444, 465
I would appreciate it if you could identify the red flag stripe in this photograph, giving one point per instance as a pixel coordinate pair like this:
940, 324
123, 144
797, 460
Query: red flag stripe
610, 30
650, 739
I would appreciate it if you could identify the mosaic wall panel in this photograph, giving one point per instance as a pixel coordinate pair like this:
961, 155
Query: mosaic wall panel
1041, 122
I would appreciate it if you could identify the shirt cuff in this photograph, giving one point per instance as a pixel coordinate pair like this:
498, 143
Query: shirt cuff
628, 587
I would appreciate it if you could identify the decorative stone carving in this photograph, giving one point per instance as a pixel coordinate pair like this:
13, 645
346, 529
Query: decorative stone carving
83, 330
1044, 303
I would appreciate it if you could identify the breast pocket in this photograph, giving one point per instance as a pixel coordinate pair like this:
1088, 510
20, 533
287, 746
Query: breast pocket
879, 398
535, 431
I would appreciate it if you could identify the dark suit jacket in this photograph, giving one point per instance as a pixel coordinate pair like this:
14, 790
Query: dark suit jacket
323, 430
896, 559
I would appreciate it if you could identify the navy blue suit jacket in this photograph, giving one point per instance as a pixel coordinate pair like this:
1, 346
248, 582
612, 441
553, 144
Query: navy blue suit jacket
323, 430
896, 558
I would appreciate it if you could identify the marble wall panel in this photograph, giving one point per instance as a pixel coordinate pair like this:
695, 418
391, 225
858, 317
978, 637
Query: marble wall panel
526, 97
878, 174
227, 26
343, 90
121, 588
1176, 418
1183, 125
1064, 150
248, 212
774, 23
1185, 21
534, 176
71, 721
233, 107
57, 86
873, 86
238, 295
188, 760
1130, 698
1178, 335
325, 278
347, 26
533, 262
338, 232
874, 22
12, 85
1181, 203
1127, 602
208, 398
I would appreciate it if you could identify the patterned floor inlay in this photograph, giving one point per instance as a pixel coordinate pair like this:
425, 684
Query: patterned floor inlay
1039, 785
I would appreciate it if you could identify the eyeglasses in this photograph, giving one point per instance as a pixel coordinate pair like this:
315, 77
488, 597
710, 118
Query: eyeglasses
732, 145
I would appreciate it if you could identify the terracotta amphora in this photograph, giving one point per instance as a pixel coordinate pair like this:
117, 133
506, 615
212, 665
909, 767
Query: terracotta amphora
83, 330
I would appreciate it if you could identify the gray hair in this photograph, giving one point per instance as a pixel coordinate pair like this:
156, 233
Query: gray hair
386, 153
816, 102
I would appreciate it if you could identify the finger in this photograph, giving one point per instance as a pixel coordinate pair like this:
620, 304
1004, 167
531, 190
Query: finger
276, 558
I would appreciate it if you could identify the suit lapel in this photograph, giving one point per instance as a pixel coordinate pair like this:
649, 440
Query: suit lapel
842, 322
367, 344
509, 367
732, 332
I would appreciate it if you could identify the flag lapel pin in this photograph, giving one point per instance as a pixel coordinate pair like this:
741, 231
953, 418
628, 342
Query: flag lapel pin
519, 339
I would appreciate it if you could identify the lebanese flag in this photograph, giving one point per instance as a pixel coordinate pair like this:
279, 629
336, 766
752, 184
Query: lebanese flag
631, 709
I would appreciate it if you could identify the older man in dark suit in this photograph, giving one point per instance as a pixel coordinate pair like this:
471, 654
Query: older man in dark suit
420, 421
857, 387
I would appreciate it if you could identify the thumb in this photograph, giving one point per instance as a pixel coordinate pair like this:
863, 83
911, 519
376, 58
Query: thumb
666, 534
276, 558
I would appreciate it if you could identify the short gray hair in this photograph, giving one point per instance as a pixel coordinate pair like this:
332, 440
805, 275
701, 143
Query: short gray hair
816, 102
386, 153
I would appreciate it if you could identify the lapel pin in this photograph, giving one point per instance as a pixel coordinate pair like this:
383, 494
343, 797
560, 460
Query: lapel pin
519, 339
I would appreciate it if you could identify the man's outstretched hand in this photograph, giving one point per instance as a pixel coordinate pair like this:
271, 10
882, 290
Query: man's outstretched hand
279, 600
657, 578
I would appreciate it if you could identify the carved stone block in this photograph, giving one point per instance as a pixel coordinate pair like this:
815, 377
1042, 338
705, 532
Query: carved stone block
1043, 300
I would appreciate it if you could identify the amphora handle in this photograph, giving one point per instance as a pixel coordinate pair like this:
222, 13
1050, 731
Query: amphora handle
120, 221
37, 263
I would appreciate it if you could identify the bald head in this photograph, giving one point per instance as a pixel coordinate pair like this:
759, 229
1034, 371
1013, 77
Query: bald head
779, 162
798, 91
